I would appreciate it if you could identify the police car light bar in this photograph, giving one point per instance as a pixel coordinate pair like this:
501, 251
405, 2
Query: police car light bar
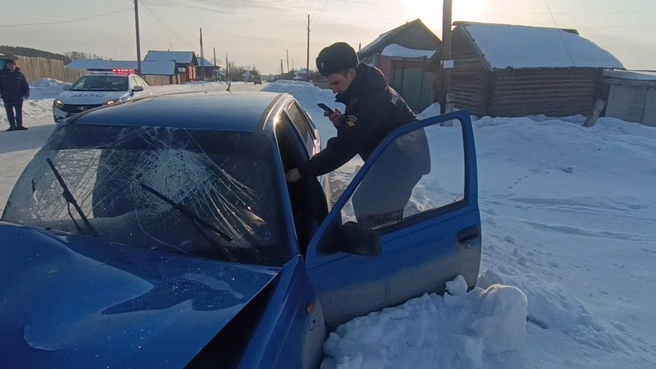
121, 70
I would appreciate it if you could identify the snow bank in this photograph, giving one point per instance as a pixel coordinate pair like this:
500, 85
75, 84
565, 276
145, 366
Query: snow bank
432, 110
551, 306
452, 331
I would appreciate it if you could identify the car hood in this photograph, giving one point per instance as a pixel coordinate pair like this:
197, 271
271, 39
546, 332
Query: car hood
80, 302
90, 97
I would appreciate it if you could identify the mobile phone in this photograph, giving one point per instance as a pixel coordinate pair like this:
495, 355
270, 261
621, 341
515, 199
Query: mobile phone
325, 107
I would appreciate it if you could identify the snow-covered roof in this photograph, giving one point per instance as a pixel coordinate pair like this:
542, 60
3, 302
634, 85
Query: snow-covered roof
514, 47
158, 67
374, 43
181, 57
148, 67
636, 76
202, 62
398, 51
386, 38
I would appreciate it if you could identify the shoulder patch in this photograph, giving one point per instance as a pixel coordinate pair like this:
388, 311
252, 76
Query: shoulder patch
394, 98
350, 121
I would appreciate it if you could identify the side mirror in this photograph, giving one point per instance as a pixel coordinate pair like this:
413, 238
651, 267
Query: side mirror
137, 89
357, 239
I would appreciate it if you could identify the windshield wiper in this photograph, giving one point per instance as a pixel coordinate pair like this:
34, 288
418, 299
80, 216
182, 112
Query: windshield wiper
70, 199
195, 221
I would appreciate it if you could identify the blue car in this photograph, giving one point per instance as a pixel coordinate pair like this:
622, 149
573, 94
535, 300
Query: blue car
161, 233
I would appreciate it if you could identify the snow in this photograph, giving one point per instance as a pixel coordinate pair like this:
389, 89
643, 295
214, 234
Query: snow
374, 43
398, 51
623, 74
450, 331
568, 216
508, 46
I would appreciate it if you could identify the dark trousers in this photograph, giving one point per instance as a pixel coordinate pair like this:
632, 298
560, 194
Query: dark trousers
11, 105
385, 191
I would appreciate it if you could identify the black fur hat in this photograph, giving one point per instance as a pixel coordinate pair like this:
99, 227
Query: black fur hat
335, 58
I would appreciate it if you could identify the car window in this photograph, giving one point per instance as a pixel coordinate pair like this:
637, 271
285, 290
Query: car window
301, 125
134, 82
142, 82
426, 161
100, 83
227, 179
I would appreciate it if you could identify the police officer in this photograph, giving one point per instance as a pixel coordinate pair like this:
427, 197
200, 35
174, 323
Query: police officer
13, 89
373, 110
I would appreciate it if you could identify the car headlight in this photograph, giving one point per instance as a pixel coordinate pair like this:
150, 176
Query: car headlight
58, 103
112, 102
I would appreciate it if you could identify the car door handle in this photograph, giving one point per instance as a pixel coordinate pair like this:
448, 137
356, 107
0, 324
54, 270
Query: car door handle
465, 237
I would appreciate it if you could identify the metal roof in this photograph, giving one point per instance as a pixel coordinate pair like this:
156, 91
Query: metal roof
203, 62
377, 45
239, 111
180, 57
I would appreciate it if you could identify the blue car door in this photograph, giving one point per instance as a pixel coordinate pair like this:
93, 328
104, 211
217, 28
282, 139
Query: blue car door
437, 238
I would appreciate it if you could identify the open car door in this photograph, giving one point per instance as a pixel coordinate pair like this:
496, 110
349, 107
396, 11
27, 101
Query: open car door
437, 237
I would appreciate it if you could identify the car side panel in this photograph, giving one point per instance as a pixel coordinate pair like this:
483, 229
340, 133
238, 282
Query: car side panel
289, 335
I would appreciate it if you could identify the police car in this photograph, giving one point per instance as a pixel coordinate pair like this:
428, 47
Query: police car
101, 87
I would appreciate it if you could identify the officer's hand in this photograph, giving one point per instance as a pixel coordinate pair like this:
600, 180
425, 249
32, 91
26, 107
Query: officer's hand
336, 117
293, 176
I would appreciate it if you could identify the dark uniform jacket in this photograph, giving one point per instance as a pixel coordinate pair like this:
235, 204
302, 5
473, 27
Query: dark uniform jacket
13, 86
373, 110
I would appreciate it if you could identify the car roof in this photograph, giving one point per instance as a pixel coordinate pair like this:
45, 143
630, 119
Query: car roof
238, 111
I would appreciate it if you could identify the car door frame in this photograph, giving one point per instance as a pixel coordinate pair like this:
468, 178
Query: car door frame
324, 180
360, 280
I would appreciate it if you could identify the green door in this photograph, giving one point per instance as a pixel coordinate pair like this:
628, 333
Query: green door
415, 85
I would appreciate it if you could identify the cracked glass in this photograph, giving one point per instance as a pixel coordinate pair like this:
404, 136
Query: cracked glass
224, 180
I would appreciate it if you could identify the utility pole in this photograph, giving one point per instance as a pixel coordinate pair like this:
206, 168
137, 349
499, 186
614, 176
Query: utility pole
202, 56
287, 50
292, 63
227, 68
307, 69
214, 76
447, 62
282, 71
136, 24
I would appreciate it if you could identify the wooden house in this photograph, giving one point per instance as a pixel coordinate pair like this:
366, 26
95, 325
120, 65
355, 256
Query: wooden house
508, 70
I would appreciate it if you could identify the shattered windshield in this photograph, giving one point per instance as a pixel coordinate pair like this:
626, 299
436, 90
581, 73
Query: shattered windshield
101, 83
196, 192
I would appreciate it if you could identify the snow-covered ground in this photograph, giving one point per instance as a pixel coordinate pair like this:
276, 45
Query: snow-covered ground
567, 277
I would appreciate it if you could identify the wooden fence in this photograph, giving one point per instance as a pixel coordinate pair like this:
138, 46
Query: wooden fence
38, 68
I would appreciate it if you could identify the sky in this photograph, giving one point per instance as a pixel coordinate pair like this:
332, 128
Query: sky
262, 32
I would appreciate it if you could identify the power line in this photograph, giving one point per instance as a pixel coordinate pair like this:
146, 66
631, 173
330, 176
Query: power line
62, 22
560, 33
167, 27
312, 10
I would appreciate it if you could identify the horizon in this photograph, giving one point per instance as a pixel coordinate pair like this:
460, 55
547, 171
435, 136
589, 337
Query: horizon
259, 32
